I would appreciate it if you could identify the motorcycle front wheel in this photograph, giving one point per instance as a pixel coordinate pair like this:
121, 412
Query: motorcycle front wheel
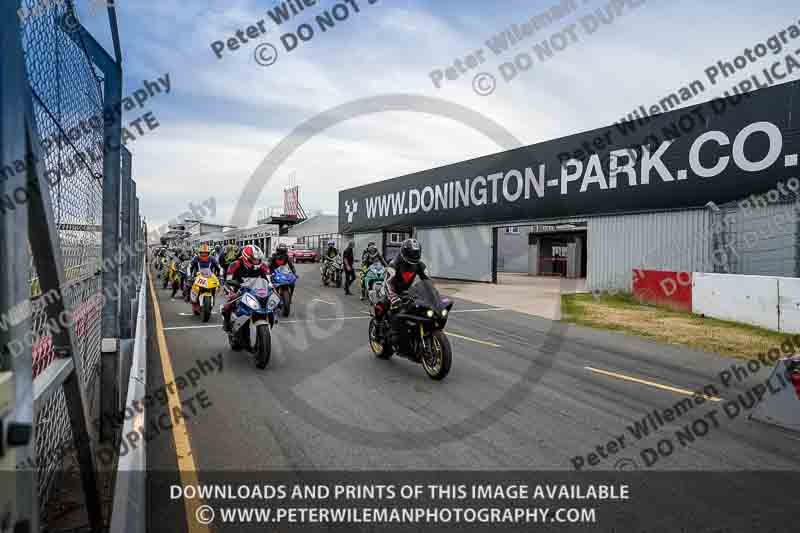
206, 310
287, 302
379, 344
263, 346
437, 363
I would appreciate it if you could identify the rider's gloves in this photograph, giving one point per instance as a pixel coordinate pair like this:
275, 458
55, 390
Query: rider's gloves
394, 301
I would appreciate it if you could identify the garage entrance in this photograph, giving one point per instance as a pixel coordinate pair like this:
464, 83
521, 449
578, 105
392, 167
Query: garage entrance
553, 250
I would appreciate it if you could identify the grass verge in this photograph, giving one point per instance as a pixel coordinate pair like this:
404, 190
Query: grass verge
622, 313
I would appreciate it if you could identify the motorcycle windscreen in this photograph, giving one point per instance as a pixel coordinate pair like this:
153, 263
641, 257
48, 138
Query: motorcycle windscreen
206, 272
423, 293
285, 270
259, 286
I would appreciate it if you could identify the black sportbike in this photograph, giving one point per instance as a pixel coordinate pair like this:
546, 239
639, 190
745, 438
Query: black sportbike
423, 314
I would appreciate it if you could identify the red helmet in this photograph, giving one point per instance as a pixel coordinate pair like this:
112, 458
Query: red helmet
252, 256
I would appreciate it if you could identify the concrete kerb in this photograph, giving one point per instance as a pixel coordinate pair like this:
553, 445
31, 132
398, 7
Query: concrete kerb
481, 419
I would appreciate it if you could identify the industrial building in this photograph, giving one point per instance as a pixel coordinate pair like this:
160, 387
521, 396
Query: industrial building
708, 188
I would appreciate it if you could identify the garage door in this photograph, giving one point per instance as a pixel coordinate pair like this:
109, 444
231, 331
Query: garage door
458, 253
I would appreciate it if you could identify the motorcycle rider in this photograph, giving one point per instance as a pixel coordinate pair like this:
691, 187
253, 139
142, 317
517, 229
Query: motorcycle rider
281, 257
203, 259
330, 254
249, 265
228, 255
400, 275
370, 255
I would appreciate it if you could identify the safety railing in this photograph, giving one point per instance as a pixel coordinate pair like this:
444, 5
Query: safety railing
72, 247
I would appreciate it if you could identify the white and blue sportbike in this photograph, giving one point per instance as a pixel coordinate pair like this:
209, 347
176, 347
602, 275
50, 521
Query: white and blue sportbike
254, 315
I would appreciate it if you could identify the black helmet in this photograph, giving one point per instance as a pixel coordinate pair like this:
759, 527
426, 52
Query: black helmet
372, 250
282, 248
411, 251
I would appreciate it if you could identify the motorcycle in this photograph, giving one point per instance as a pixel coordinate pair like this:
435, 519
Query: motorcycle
283, 280
169, 273
186, 281
253, 318
204, 289
331, 271
423, 313
372, 279
179, 277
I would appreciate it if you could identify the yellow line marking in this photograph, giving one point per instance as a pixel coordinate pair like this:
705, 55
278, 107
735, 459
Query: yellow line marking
487, 343
652, 384
183, 447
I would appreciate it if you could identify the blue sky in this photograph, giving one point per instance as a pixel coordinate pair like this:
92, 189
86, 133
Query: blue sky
222, 117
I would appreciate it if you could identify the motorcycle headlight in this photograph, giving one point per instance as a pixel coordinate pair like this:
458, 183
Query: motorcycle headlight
429, 313
274, 301
444, 312
251, 302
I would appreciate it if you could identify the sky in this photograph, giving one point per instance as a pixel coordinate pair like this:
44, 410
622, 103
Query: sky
223, 117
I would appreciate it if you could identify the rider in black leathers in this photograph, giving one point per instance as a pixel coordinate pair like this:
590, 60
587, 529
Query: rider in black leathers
281, 257
371, 255
403, 270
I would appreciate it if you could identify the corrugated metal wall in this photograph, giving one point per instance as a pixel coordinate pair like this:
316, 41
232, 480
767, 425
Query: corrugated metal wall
458, 253
675, 240
760, 241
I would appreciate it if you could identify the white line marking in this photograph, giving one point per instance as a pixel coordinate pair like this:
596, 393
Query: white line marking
192, 314
328, 319
323, 301
479, 310
192, 327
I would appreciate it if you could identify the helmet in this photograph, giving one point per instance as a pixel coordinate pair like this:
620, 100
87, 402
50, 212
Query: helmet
411, 251
252, 255
282, 248
372, 250
203, 251
331, 244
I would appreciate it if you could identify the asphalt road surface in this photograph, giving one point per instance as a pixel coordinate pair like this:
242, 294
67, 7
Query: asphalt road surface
524, 393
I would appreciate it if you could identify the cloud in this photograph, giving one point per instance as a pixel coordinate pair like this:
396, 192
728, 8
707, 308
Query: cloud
224, 116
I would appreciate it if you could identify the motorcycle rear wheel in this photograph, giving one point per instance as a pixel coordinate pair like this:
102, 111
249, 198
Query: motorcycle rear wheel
380, 346
442, 357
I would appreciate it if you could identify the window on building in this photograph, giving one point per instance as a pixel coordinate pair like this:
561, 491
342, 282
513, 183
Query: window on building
512, 231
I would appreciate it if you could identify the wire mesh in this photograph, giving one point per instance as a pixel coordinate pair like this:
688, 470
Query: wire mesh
67, 101
759, 235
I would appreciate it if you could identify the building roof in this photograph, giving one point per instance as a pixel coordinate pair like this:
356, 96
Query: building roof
316, 225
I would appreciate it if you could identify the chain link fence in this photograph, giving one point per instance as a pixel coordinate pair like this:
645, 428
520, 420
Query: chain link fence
66, 89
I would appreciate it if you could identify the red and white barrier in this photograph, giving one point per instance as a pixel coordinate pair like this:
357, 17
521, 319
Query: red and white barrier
767, 301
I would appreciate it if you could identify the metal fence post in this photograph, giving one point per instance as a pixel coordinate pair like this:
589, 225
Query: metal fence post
124, 246
109, 357
21, 488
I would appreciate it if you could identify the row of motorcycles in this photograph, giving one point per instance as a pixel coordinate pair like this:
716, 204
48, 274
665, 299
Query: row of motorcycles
257, 303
